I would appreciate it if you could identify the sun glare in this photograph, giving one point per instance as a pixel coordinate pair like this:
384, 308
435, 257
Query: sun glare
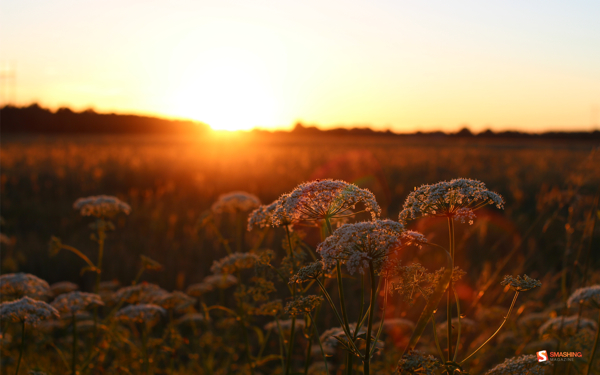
228, 91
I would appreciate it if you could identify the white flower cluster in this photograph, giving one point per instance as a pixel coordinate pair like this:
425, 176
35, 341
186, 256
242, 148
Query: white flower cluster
464, 215
73, 302
63, 287
140, 293
101, 206
447, 198
262, 216
234, 262
221, 281
568, 324
198, 289
27, 310
524, 364
362, 243
322, 199
235, 202
588, 294
174, 300
142, 313
17, 285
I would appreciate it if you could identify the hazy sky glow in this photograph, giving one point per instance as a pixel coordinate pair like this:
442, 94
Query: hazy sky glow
403, 65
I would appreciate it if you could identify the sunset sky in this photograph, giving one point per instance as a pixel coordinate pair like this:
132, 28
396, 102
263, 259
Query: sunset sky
233, 64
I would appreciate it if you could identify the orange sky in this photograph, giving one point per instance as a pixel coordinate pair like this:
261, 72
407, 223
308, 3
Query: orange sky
234, 64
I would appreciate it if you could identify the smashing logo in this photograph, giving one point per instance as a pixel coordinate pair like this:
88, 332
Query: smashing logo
542, 356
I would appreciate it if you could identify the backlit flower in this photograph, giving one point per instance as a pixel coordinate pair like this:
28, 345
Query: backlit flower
235, 202
321, 199
521, 284
262, 216
456, 198
101, 206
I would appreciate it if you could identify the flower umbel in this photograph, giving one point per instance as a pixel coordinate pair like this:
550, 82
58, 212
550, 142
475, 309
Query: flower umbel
17, 285
76, 301
521, 284
27, 310
455, 198
101, 206
582, 295
234, 202
323, 199
303, 305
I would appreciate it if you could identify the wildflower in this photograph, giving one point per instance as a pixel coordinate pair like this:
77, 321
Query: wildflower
75, 301
234, 262
272, 308
569, 325
262, 216
258, 291
17, 285
588, 294
412, 279
235, 202
303, 305
221, 281
27, 310
310, 272
63, 287
175, 300
196, 290
101, 206
323, 199
521, 284
456, 198
416, 362
360, 244
524, 364
148, 313
140, 293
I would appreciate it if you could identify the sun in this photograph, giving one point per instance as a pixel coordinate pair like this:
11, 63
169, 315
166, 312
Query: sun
227, 92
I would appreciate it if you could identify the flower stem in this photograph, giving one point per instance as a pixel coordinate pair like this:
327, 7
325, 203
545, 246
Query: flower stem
591, 363
367, 360
435, 337
459, 323
450, 287
74, 359
498, 330
313, 323
22, 346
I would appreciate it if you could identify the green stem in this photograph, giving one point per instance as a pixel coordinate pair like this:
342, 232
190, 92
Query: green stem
498, 330
594, 348
145, 364
100, 224
459, 322
288, 364
437, 341
74, 359
22, 346
341, 293
308, 353
313, 323
367, 360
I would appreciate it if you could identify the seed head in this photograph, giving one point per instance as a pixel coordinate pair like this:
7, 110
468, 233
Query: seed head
521, 284
455, 198
27, 310
101, 206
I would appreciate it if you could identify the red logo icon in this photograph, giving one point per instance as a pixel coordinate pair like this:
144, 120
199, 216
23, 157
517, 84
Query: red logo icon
542, 356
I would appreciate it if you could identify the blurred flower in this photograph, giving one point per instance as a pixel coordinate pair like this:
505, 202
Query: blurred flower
521, 284
303, 305
5, 240
101, 206
332, 336
221, 281
234, 262
569, 325
321, 199
63, 287
143, 313
262, 216
466, 325
196, 290
75, 301
190, 318
524, 364
272, 308
150, 264
393, 323
27, 310
175, 300
140, 293
286, 325
109, 285
588, 294
416, 362
310, 272
357, 245
456, 198
235, 202
17, 285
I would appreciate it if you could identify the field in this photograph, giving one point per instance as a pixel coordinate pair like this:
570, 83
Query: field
546, 230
